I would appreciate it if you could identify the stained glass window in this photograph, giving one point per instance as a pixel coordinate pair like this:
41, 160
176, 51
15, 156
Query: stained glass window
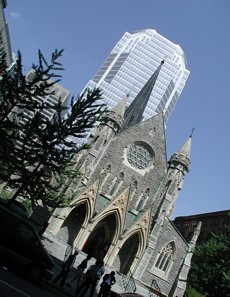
165, 257
139, 156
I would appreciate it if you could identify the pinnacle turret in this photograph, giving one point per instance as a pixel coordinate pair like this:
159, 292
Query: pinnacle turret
117, 113
120, 107
182, 156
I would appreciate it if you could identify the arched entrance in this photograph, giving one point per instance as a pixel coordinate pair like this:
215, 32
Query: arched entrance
72, 224
101, 237
127, 253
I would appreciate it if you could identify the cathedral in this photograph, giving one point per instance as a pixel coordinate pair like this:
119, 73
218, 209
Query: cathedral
124, 198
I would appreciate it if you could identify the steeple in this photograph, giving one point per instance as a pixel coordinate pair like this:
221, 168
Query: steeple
117, 113
182, 156
178, 165
134, 113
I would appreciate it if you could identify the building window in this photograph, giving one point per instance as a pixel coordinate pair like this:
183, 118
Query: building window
139, 156
133, 189
115, 68
165, 257
130, 121
104, 67
117, 184
105, 175
142, 200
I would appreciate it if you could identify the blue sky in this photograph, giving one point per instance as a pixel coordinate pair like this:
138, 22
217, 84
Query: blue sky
89, 29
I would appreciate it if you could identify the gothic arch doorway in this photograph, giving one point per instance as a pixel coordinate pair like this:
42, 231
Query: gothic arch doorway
127, 253
101, 237
72, 224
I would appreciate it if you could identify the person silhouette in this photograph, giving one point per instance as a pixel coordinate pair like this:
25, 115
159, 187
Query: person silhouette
92, 277
79, 272
107, 282
65, 269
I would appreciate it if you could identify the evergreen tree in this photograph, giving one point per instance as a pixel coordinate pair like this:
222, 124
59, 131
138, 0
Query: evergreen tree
17, 99
37, 152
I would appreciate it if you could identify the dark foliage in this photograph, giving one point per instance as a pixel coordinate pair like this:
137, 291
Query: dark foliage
36, 151
210, 272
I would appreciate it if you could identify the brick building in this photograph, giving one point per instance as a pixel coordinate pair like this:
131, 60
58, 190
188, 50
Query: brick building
212, 222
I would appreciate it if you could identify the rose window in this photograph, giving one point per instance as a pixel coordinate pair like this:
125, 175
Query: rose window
139, 156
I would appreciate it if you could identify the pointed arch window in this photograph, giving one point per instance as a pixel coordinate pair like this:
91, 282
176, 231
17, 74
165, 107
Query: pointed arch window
142, 200
117, 184
172, 187
133, 189
165, 257
105, 175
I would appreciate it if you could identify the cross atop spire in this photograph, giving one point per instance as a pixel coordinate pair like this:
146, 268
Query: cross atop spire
134, 113
186, 148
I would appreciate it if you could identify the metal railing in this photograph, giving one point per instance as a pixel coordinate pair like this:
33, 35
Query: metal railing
129, 283
155, 289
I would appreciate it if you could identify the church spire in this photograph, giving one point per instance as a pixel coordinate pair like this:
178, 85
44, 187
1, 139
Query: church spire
120, 107
134, 113
182, 156
116, 114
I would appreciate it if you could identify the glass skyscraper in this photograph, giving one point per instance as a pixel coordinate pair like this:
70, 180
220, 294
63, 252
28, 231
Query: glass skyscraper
4, 34
131, 63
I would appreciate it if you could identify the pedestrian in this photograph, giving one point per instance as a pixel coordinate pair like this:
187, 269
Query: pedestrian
65, 269
93, 275
79, 275
107, 282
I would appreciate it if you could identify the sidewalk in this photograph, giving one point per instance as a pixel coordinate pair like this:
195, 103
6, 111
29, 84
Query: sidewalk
65, 291
58, 291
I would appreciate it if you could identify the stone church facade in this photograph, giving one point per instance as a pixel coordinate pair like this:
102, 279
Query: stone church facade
123, 202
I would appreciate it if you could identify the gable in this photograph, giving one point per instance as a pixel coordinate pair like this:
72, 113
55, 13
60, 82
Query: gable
146, 142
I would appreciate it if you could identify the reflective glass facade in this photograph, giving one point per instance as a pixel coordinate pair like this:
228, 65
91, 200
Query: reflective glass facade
131, 63
4, 34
